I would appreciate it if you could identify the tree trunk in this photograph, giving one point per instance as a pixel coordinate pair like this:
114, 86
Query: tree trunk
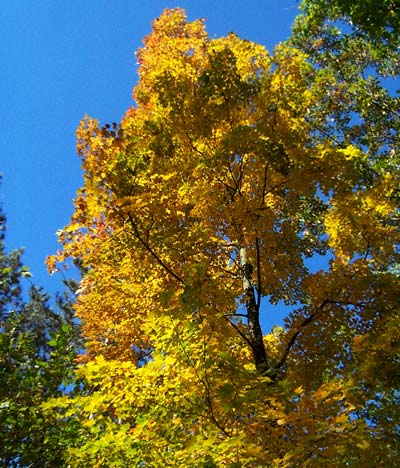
253, 315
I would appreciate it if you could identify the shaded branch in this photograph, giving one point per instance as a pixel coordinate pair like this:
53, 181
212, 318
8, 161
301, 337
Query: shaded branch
207, 387
236, 315
263, 193
194, 147
239, 331
259, 285
293, 338
253, 315
151, 251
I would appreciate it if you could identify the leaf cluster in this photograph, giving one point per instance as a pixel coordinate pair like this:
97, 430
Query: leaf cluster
200, 211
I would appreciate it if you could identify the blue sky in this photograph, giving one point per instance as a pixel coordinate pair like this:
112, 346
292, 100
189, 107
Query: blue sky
64, 59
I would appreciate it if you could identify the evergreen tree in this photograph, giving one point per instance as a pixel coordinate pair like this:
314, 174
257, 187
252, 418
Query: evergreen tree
37, 348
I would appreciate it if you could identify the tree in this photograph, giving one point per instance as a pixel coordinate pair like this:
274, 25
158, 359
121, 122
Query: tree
202, 209
356, 44
37, 347
375, 21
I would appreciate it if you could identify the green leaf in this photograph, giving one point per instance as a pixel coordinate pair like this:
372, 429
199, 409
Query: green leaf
226, 390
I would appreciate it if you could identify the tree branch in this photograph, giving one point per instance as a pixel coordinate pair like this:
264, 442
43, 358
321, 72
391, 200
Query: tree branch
253, 315
263, 193
293, 338
259, 285
151, 251
243, 335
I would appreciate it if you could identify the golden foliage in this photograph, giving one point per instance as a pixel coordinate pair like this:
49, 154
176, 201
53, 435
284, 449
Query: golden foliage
217, 159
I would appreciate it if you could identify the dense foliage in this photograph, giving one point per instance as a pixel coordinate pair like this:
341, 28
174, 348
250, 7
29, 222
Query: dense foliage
204, 208
211, 203
37, 346
355, 46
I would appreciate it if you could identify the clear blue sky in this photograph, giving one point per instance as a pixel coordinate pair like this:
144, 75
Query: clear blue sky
63, 59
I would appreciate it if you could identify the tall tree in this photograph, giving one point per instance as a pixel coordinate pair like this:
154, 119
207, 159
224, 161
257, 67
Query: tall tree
37, 346
357, 45
200, 211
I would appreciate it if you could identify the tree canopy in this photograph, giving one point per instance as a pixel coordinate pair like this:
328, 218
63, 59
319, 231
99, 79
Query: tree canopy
206, 207
356, 47
37, 347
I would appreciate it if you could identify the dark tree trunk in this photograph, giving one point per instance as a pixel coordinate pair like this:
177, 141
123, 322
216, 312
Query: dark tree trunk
253, 316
